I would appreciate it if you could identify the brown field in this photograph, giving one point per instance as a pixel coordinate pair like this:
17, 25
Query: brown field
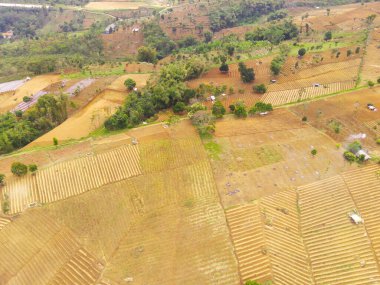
346, 112
118, 84
175, 197
348, 17
123, 42
371, 68
36, 84
264, 155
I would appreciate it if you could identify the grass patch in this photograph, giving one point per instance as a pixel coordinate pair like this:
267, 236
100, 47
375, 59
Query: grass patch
213, 149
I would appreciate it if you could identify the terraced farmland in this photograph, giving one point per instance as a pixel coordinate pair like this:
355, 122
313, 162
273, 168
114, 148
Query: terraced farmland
44, 253
340, 252
374, 126
364, 186
282, 97
73, 177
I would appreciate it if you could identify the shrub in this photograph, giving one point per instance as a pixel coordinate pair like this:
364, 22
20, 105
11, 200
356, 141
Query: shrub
313, 152
261, 88
349, 52
32, 168
304, 119
357, 50
218, 109
130, 83
260, 107
378, 141
5, 204
19, 169
2, 178
301, 51
251, 282
349, 156
55, 141
378, 80
240, 110
232, 108
179, 107
371, 83
147, 54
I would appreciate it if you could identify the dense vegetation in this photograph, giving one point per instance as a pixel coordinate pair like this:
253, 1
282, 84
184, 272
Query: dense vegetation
244, 11
274, 33
50, 53
155, 38
17, 130
164, 92
49, 2
24, 23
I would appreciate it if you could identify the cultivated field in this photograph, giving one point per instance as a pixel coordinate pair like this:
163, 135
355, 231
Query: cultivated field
73, 177
115, 5
264, 155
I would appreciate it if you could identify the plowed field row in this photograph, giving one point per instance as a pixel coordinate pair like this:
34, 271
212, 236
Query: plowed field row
249, 242
290, 261
277, 98
364, 185
374, 126
3, 222
73, 177
339, 251
36, 250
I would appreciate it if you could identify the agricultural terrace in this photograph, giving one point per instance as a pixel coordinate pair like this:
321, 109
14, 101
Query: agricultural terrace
306, 237
371, 67
263, 155
345, 117
156, 215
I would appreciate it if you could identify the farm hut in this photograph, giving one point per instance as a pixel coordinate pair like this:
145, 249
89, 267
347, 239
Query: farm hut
362, 152
135, 30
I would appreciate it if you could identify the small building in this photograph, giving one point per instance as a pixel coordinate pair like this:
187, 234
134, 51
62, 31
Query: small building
8, 35
355, 218
110, 29
362, 153
135, 30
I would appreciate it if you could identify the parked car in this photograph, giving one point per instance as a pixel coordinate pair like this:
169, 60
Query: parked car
371, 107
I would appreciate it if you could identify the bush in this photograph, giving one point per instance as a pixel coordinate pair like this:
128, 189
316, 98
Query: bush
218, 110
261, 88
371, 83
224, 68
349, 156
5, 207
301, 51
251, 282
19, 169
357, 50
246, 74
378, 141
240, 110
354, 147
147, 54
130, 83
32, 168
232, 108
179, 107
313, 152
55, 141
2, 178
26, 99
260, 107
328, 36
304, 119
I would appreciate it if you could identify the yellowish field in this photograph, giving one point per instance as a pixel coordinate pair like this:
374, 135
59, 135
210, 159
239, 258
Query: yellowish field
73, 177
34, 249
115, 5
140, 79
371, 67
82, 123
264, 155
36, 84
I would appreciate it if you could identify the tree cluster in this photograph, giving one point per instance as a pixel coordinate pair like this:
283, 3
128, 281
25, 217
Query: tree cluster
275, 33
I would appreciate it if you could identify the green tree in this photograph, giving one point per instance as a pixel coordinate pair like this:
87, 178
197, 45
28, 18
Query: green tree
32, 168
349, 53
357, 50
261, 88
55, 141
371, 84
147, 54
218, 109
354, 147
2, 178
130, 83
349, 156
5, 207
247, 75
179, 107
26, 99
240, 109
313, 152
378, 80
328, 36
251, 282
19, 169
301, 51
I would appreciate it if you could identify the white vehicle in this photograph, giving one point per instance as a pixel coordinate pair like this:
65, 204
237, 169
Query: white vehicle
264, 113
273, 81
212, 97
316, 85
